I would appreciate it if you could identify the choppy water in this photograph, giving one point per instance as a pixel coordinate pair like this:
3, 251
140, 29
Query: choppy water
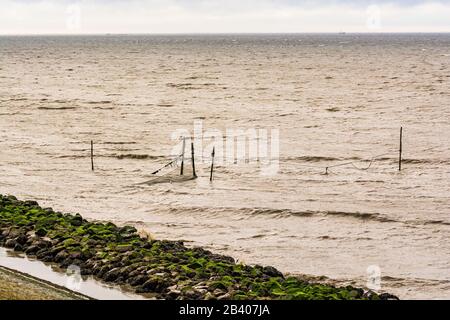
334, 98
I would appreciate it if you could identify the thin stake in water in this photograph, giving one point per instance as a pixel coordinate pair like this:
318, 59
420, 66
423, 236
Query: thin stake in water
92, 155
400, 150
193, 160
212, 163
182, 156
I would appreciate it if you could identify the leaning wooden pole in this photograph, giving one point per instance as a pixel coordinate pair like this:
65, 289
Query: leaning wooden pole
193, 160
182, 156
400, 150
92, 155
212, 164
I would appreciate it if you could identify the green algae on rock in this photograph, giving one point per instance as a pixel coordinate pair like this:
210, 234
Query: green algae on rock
167, 269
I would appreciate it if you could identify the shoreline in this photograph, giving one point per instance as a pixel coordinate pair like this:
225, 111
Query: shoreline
16, 285
168, 269
50, 273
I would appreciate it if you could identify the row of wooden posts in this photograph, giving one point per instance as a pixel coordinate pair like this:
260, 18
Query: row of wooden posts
193, 160
214, 153
194, 173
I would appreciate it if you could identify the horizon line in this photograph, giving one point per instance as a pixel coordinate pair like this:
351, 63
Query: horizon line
223, 33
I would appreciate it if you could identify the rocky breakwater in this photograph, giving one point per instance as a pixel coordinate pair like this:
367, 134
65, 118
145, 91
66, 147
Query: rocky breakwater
167, 269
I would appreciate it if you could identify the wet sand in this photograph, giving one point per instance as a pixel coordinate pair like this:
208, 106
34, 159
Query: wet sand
15, 285
50, 274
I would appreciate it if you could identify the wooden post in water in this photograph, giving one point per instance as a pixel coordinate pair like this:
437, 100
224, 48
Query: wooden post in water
400, 150
193, 160
92, 155
182, 156
212, 164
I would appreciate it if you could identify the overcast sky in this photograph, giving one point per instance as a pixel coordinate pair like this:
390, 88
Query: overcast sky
210, 16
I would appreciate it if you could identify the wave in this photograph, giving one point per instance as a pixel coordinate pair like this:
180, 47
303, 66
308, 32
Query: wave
316, 159
99, 102
417, 281
283, 213
426, 161
319, 159
189, 86
378, 217
104, 108
119, 142
135, 156
72, 157
437, 222
56, 108
272, 213
417, 161
361, 215
117, 156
